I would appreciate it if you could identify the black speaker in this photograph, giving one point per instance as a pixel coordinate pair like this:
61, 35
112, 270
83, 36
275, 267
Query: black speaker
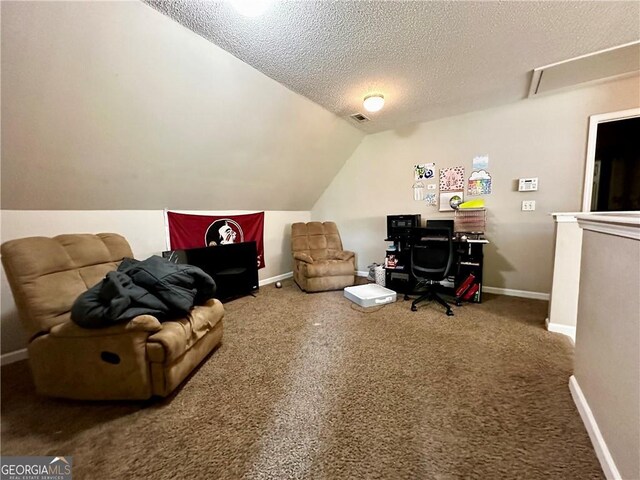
234, 267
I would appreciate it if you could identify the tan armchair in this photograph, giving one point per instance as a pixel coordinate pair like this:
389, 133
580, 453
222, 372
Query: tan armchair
319, 262
133, 360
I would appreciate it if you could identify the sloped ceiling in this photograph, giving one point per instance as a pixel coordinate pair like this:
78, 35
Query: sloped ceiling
429, 59
114, 106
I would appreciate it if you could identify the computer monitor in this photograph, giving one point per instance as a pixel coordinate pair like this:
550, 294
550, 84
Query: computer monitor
440, 224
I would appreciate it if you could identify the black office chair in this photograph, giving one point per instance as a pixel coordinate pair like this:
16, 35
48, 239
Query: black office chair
431, 260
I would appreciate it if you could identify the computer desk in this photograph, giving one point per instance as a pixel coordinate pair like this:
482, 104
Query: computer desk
468, 259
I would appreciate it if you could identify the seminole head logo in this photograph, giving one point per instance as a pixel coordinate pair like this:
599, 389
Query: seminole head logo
223, 232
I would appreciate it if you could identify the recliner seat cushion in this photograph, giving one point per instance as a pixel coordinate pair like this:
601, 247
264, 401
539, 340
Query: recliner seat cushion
327, 268
178, 336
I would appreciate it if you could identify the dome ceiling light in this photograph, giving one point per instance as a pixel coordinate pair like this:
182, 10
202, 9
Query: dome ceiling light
373, 103
251, 8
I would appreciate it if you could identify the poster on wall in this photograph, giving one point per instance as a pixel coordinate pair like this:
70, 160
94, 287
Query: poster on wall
196, 231
450, 199
430, 200
418, 191
424, 171
451, 179
479, 183
481, 162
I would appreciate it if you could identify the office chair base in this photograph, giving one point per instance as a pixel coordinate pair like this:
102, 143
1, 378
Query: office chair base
430, 296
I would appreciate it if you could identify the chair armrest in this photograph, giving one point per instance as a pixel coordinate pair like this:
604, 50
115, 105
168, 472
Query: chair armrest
341, 255
141, 323
303, 257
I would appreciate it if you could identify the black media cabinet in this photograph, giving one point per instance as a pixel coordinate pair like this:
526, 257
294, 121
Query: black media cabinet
234, 267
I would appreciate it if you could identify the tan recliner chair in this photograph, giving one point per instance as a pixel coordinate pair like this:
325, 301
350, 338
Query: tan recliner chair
319, 262
133, 360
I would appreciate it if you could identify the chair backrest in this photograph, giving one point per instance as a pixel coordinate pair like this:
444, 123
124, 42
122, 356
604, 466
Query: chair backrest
432, 253
315, 239
46, 275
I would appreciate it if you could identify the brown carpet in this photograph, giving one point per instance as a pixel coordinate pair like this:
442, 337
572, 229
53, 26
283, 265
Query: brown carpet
309, 386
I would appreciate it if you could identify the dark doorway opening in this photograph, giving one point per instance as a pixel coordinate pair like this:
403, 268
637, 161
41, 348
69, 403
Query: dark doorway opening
616, 171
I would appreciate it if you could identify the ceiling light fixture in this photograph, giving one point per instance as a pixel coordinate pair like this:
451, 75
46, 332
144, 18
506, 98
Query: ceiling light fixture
373, 103
251, 8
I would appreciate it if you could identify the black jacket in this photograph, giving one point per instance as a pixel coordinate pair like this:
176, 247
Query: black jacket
153, 286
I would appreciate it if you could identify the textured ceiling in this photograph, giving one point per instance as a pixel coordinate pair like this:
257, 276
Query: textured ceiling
429, 59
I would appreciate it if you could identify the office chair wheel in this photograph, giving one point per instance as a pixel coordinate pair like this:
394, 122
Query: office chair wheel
449, 313
406, 297
414, 308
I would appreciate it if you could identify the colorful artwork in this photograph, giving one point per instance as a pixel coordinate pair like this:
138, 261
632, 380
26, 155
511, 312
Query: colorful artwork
430, 200
424, 171
480, 162
479, 183
451, 179
449, 199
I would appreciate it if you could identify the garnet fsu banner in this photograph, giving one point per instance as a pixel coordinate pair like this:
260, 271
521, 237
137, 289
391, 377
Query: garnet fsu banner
196, 231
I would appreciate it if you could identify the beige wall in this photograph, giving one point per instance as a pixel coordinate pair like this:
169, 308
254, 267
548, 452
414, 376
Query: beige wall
112, 105
145, 231
563, 304
544, 137
607, 357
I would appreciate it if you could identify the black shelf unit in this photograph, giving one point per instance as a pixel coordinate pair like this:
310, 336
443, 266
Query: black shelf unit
468, 259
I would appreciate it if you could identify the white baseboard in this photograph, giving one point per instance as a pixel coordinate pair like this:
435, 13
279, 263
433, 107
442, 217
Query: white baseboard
599, 445
12, 357
567, 330
516, 293
362, 273
269, 280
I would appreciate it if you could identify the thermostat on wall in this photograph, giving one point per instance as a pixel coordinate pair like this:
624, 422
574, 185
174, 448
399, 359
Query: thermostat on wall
528, 184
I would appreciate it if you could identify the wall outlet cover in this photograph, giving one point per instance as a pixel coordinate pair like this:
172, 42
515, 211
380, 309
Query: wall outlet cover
528, 205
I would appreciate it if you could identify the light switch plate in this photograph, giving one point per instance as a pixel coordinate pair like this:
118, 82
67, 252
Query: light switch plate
528, 205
